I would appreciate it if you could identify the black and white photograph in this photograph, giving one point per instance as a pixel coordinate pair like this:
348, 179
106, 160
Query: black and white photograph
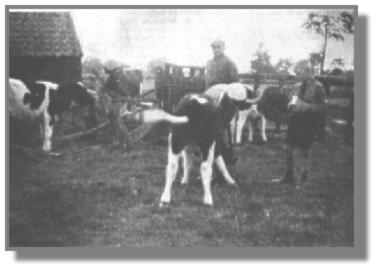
180, 127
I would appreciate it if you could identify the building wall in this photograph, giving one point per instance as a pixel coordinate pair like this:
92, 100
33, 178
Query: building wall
55, 69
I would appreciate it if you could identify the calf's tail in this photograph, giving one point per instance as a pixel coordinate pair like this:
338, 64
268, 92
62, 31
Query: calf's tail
158, 115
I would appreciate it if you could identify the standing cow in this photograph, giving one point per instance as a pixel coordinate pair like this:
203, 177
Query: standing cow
249, 117
199, 119
45, 101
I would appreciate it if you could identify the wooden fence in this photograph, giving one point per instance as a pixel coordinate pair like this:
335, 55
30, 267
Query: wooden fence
174, 81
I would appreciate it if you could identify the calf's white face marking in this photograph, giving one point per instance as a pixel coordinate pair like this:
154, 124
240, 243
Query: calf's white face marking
294, 101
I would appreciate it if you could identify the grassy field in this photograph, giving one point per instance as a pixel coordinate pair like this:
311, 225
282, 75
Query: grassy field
101, 196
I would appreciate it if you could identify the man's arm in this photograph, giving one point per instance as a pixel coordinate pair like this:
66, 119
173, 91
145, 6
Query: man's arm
233, 72
208, 76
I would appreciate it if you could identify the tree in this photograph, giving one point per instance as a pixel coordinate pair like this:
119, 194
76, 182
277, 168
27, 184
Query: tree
283, 66
315, 60
329, 26
339, 62
261, 63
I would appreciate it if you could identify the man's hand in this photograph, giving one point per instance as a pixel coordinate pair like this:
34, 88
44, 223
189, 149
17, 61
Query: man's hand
302, 106
298, 105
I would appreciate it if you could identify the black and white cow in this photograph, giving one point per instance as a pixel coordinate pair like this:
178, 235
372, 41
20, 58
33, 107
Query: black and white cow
197, 120
272, 106
45, 101
238, 93
248, 117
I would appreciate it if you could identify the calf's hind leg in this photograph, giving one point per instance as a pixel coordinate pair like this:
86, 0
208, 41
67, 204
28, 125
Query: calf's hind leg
263, 129
206, 175
250, 130
243, 116
223, 169
171, 172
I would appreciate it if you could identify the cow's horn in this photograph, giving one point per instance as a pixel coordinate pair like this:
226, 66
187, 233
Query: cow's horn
257, 99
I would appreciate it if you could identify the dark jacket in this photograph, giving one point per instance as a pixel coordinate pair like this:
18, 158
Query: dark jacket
305, 125
220, 70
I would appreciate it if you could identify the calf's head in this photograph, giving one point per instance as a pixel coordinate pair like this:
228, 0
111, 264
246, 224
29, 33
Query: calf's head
293, 102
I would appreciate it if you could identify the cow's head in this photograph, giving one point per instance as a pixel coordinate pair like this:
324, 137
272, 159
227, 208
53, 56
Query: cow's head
254, 93
124, 81
116, 78
295, 103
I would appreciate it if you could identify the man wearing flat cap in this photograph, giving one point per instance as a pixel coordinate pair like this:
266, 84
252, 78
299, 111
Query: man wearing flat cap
221, 70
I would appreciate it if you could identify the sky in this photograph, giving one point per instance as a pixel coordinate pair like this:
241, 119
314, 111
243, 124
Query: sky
183, 36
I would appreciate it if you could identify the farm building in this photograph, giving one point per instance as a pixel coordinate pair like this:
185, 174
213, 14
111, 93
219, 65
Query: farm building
44, 46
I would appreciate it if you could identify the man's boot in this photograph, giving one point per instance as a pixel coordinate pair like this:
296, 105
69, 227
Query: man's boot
287, 178
303, 179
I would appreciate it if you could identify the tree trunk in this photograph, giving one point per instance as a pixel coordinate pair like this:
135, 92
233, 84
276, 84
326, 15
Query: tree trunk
324, 49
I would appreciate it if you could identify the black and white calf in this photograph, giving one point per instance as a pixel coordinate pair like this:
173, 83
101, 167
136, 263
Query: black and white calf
197, 120
272, 106
45, 101
248, 117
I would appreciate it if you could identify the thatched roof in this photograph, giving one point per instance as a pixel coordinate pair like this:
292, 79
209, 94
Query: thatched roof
41, 34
